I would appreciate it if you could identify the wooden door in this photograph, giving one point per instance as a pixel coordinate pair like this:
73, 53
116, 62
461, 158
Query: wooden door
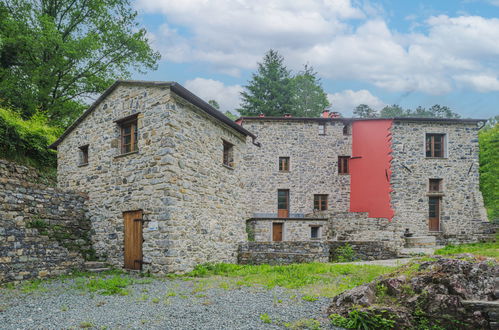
277, 232
434, 213
133, 239
283, 203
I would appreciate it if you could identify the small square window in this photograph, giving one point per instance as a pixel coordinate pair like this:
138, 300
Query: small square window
315, 231
228, 154
435, 185
129, 136
435, 144
343, 164
283, 164
320, 202
322, 128
346, 129
84, 155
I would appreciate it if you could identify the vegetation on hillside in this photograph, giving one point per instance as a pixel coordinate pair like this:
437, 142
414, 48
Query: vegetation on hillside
489, 167
488, 249
395, 110
25, 140
55, 53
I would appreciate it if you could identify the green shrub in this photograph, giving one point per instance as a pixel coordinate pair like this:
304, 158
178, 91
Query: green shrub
489, 169
265, 318
345, 253
26, 141
366, 319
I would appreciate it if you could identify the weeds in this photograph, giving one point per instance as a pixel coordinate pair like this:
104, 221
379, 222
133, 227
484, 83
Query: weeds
310, 324
365, 319
265, 318
490, 249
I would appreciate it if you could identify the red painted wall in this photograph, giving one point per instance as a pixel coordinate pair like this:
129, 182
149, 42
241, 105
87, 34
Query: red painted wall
370, 174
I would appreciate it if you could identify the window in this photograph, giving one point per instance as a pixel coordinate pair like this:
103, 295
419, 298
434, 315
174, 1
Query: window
283, 164
129, 136
84, 155
322, 128
346, 129
320, 202
435, 145
283, 203
343, 164
435, 185
315, 231
228, 155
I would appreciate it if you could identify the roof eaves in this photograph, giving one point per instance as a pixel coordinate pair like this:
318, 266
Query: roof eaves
175, 87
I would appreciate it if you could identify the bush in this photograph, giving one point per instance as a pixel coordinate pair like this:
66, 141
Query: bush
26, 141
364, 319
345, 253
489, 169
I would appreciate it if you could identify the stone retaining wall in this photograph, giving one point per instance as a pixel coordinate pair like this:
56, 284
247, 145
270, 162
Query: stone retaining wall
364, 250
43, 230
277, 253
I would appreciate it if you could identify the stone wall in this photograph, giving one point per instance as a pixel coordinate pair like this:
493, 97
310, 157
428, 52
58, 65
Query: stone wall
313, 165
193, 204
363, 250
279, 253
462, 208
293, 229
43, 230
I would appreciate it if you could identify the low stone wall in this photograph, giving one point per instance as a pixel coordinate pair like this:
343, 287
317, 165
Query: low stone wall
43, 230
363, 250
276, 253
294, 229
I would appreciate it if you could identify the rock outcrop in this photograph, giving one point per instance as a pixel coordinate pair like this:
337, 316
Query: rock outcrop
430, 292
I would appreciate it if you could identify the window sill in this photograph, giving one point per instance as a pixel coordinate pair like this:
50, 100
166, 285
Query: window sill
322, 134
436, 157
283, 171
228, 167
83, 165
343, 173
435, 193
127, 154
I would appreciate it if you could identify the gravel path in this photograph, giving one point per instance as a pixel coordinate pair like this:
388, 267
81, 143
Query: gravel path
161, 304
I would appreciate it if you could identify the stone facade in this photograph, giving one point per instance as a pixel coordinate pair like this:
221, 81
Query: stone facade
314, 170
192, 204
313, 165
43, 230
277, 253
293, 229
462, 208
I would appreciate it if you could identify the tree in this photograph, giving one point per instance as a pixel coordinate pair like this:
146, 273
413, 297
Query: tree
489, 167
270, 89
56, 53
391, 111
214, 104
309, 99
364, 111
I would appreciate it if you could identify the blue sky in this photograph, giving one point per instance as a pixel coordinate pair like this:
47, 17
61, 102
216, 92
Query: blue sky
382, 52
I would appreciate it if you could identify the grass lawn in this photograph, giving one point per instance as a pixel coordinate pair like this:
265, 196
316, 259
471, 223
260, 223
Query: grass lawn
313, 279
490, 249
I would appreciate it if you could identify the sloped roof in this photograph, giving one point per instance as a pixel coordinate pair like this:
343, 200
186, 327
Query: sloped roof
174, 87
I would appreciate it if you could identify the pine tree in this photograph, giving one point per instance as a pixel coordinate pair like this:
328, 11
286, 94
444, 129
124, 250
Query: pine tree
309, 99
270, 89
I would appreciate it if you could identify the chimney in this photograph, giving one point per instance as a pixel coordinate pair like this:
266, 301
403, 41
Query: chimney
335, 114
325, 113
287, 115
261, 115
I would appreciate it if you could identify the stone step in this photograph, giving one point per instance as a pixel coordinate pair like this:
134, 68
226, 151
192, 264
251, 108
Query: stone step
409, 252
98, 270
95, 264
420, 242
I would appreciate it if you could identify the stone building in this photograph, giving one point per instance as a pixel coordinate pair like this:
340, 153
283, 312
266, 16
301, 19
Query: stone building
162, 170
172, 182
346, 179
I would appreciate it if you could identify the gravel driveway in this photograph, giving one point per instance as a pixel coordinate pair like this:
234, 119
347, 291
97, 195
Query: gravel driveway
160, 304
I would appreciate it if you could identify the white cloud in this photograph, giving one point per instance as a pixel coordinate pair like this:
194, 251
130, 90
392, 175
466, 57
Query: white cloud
232, 36
228, 97
481, 83
345, 101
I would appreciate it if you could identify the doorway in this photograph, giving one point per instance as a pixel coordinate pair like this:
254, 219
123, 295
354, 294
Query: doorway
133, 239
277, 232
434, 203
283, 203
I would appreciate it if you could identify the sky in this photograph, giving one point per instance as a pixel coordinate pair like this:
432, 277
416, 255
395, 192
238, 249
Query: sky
411, 53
